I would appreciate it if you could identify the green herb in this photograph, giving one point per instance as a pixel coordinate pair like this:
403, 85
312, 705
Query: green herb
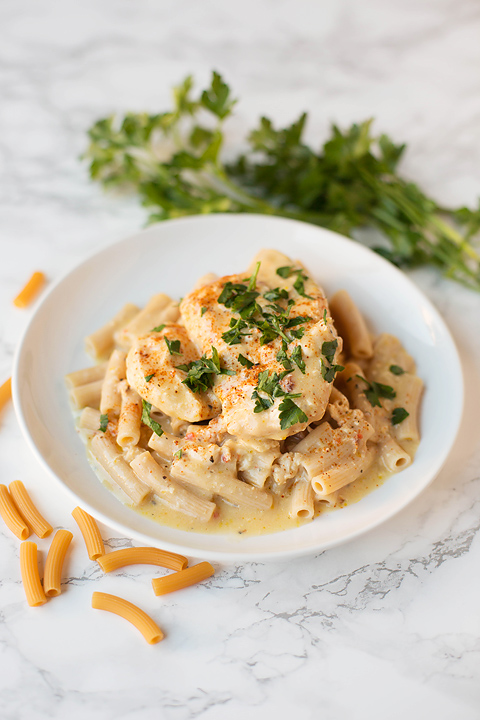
376, 390
103, 423
328, 373
148, 421
253, 280
159, 328
329, 349
396, 370
283, 358
276, 294
399, 415
203, 311
245, 361
290, 414
325, 316
149, 377
285, 271
351, 182
178, 454
235, 335
296, 356
173, 346
201, 373
269, 385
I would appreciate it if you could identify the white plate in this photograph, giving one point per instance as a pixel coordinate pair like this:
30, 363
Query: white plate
169, 257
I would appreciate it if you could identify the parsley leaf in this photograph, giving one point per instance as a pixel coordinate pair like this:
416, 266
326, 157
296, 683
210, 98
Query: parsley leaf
276, 294
290, 414
148, 421
376, 390
253, 280
149, 377
178, 454
235, 335
159, 328
203, 311
329, 349
285, 271
296, 356
399, 415
396, 370
328, 373
245, 361
173, 346
103, 423
201, 373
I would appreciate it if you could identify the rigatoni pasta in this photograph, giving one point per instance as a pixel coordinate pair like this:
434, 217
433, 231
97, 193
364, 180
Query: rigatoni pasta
119, 606
11, 515
53, 566
249, 406
28, 510
91, 533
31, 575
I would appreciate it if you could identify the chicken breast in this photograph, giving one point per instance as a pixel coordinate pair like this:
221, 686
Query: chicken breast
152, 372
296, 305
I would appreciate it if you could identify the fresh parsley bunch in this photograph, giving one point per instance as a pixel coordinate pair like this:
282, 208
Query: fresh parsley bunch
172, 160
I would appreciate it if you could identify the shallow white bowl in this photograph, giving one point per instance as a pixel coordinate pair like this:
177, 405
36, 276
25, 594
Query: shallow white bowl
169, 257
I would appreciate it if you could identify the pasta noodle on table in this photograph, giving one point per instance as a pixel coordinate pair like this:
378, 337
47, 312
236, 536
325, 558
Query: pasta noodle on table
250, 406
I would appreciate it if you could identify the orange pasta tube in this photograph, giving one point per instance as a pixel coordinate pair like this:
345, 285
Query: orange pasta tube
31, 289
26, 507
11, 516
30, 576
142, 556
5, 392
54, 564
143, 622
182, 579
90, 532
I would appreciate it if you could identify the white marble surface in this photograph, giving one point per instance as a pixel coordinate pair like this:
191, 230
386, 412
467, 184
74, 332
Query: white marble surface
385, 628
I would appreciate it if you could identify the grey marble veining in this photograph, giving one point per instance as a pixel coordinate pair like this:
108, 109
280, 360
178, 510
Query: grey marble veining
386, 627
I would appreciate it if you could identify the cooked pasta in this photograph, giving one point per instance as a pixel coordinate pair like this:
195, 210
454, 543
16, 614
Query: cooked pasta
91, 533
182, 578
30, 290
27, 509
54, 563
141, 556
30, 574
119, 606
11, 515
250, 406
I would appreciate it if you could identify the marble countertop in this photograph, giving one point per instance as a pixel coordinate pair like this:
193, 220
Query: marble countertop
387, 627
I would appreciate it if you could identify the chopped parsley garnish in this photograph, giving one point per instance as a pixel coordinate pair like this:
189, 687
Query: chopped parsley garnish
245, 361
290, 414
239, 298
283, 358
235, 334
103, 423
399, 415
329, 349
178, 454
296, 356
329, 371
375, 391
276, 294
325, 316
265, 394
173, 346
201, 373
148, 421
159, 328
396, 370
149, 377
253, 280
203, 311
287, 270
